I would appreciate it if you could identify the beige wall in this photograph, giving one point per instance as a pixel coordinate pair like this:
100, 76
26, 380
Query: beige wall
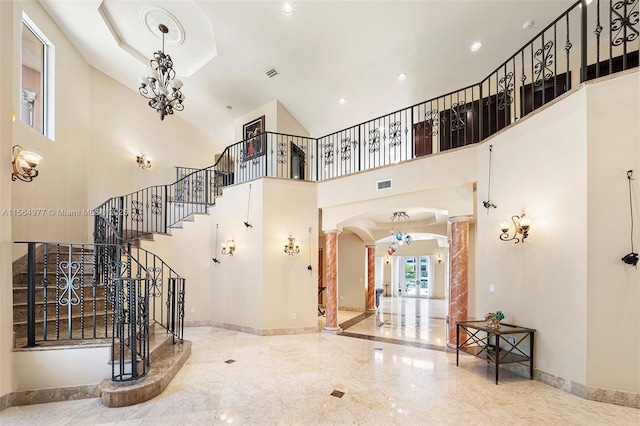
539, 168
101, 126
62, 367
352, 272
289, 287
7, 374
613, 287
237, 281
277, 119
62, 182
261, 287
287, 123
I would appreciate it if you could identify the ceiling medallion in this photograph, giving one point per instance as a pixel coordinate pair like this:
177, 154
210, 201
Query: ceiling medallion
153, 17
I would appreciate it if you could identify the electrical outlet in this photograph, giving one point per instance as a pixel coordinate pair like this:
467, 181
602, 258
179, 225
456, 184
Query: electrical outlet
294, 315
193, 309
511, 340
492, 288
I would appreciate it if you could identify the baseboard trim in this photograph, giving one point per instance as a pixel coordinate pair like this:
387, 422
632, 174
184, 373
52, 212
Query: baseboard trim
41, 396
265, 332
609, 396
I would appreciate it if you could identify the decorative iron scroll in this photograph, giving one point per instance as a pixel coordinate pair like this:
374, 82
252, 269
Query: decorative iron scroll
114, 217
137, 211
156, 204
374, 140
624, 15
282, 153
328, 154
198, 187
505, 87
69, 295
544, 59
432, 116
154, 276
395, 134
345, 149
458, 116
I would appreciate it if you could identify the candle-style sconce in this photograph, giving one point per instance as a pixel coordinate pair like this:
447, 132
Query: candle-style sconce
291, 247
521, 226
228, 248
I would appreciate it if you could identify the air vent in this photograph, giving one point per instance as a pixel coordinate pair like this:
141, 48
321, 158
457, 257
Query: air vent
383, 184
272, 73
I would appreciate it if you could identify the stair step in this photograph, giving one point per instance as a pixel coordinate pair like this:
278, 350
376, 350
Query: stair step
21, 279
122, 394
20, 292
20, 328
20, 309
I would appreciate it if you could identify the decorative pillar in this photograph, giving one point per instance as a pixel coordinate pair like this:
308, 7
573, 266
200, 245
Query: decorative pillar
371, 278
459, 274
331, 292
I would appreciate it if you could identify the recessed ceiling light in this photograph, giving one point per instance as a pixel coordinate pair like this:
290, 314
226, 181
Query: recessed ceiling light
287, 8
527, 25
402, 77
476, 46
342, 101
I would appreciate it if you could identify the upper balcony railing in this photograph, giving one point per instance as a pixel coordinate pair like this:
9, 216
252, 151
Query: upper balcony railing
585, 42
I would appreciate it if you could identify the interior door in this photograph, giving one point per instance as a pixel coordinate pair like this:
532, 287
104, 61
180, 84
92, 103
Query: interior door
298, 161
422, 138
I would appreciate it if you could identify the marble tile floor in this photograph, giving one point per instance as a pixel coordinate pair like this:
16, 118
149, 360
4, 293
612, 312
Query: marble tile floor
288, 380
402, 320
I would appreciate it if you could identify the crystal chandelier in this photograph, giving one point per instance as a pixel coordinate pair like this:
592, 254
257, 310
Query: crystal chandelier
160, 86
401, 218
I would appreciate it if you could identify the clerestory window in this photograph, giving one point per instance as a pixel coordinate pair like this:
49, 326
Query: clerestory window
36, 93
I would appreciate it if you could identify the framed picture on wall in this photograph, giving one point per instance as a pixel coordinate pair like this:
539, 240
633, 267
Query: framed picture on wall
254, 140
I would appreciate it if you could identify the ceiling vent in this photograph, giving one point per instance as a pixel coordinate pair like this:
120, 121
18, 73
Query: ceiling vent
383, 184
272, 73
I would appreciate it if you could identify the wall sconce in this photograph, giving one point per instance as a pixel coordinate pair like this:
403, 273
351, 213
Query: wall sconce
387, 260
439, 259
521, 227
228, 248
24, 164
143, 161
291, 247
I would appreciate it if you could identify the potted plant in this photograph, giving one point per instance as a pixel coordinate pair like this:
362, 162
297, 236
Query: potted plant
496, 318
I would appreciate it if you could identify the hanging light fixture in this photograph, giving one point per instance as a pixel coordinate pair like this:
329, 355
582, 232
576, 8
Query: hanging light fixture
160, 85
398, 237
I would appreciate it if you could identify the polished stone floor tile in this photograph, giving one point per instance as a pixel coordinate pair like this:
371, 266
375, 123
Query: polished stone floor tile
288, 380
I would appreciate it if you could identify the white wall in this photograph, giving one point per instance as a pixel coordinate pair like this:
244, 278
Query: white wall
62, 367
539, 168
613, 288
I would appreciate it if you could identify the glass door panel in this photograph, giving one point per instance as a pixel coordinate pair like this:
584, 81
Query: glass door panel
423, 268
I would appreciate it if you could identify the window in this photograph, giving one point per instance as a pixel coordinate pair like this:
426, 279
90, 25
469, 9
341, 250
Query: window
36, 93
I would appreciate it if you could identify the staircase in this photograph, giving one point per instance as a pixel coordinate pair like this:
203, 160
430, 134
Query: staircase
120, 295
54, 321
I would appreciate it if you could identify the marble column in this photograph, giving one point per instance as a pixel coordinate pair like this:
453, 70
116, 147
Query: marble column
331, 292
371, 278
458, 272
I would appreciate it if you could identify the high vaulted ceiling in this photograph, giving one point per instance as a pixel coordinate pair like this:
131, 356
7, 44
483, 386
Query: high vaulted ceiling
324, 51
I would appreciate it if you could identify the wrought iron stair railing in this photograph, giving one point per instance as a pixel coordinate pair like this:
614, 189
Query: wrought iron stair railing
97, 291
583, 43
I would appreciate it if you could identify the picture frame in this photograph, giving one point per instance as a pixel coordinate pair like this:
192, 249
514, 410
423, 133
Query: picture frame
254, 140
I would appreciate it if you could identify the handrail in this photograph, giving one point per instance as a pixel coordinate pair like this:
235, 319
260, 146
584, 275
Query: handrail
475, 112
